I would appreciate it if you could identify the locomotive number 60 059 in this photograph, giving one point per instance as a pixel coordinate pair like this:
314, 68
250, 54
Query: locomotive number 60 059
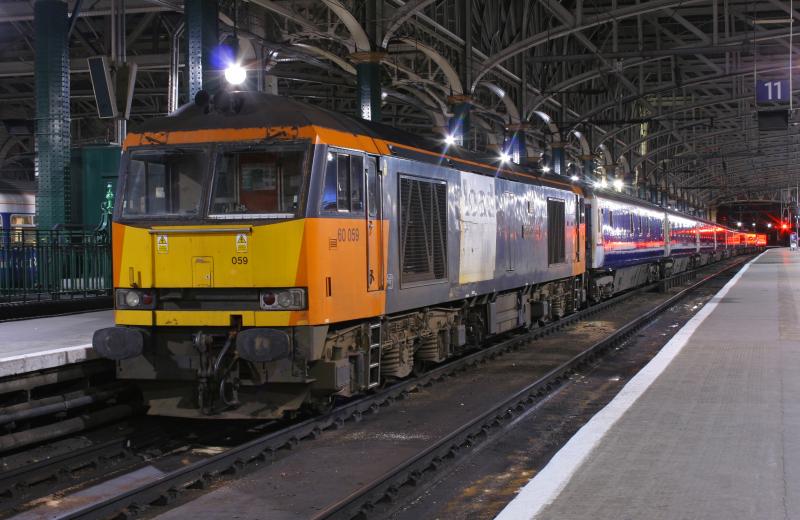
347, 235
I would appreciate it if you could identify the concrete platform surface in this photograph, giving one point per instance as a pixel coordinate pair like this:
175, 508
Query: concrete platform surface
709, 429
36, 344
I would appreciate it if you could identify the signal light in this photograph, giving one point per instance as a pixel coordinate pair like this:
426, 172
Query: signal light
784, 226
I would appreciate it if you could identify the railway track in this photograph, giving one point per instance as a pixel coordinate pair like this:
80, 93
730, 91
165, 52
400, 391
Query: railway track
267, 448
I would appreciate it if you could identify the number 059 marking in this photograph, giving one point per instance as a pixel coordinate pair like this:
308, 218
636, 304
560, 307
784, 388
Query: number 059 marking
239, 260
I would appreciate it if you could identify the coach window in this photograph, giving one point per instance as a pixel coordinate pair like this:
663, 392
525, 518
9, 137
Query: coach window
344, 183
22, 229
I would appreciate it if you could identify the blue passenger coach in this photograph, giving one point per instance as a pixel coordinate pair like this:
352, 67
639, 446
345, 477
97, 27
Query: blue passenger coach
632, 242
17, 215
17, 210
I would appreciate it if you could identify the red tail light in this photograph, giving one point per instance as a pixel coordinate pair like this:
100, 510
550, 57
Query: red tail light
268, 298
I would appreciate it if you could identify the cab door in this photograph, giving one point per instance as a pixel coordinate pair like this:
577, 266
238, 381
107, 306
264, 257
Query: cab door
374, 215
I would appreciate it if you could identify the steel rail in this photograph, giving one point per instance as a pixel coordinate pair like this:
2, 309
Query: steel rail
199, 474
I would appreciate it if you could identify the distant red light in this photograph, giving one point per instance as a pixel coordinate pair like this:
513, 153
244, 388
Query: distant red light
784, 226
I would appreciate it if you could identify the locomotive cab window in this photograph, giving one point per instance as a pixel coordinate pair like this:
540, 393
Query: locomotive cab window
164, 182
344, 183
258, 182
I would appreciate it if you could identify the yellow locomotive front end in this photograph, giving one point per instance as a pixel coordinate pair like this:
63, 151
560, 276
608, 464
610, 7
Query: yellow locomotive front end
228, 275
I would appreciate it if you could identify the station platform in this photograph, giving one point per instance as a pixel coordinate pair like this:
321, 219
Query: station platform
40, 343
710, 428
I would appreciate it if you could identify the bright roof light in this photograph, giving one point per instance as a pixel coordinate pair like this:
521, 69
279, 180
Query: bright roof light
449, 139
603, 183
574, 178
769, 224
738, 224
505, 157
618, 184
546, 169
235, 74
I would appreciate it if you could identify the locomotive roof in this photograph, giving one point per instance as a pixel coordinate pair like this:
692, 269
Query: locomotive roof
238, 110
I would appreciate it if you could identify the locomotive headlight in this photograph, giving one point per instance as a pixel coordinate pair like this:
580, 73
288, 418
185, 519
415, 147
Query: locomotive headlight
134, 299
283, 299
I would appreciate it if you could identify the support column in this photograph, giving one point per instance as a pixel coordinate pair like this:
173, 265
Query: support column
516, 145
558, 158
588, 167
459, 124
202, 40
368, 77
173, 95
119, 56
268, 82
52, 138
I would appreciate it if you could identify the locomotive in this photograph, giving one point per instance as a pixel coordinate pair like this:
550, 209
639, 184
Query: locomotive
270, 255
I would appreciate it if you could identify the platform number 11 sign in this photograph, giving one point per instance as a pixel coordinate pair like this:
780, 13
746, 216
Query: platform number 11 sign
773, 91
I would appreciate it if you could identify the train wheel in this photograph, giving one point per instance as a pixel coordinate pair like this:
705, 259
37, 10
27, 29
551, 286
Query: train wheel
319, 405
421, 367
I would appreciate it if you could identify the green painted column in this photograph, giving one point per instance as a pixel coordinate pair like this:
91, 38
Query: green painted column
52, 140
368, 84
202, 37
459, 124
588, 167
558, 158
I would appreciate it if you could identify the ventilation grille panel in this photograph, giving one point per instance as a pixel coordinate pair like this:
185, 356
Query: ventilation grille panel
423, 230
556, 246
